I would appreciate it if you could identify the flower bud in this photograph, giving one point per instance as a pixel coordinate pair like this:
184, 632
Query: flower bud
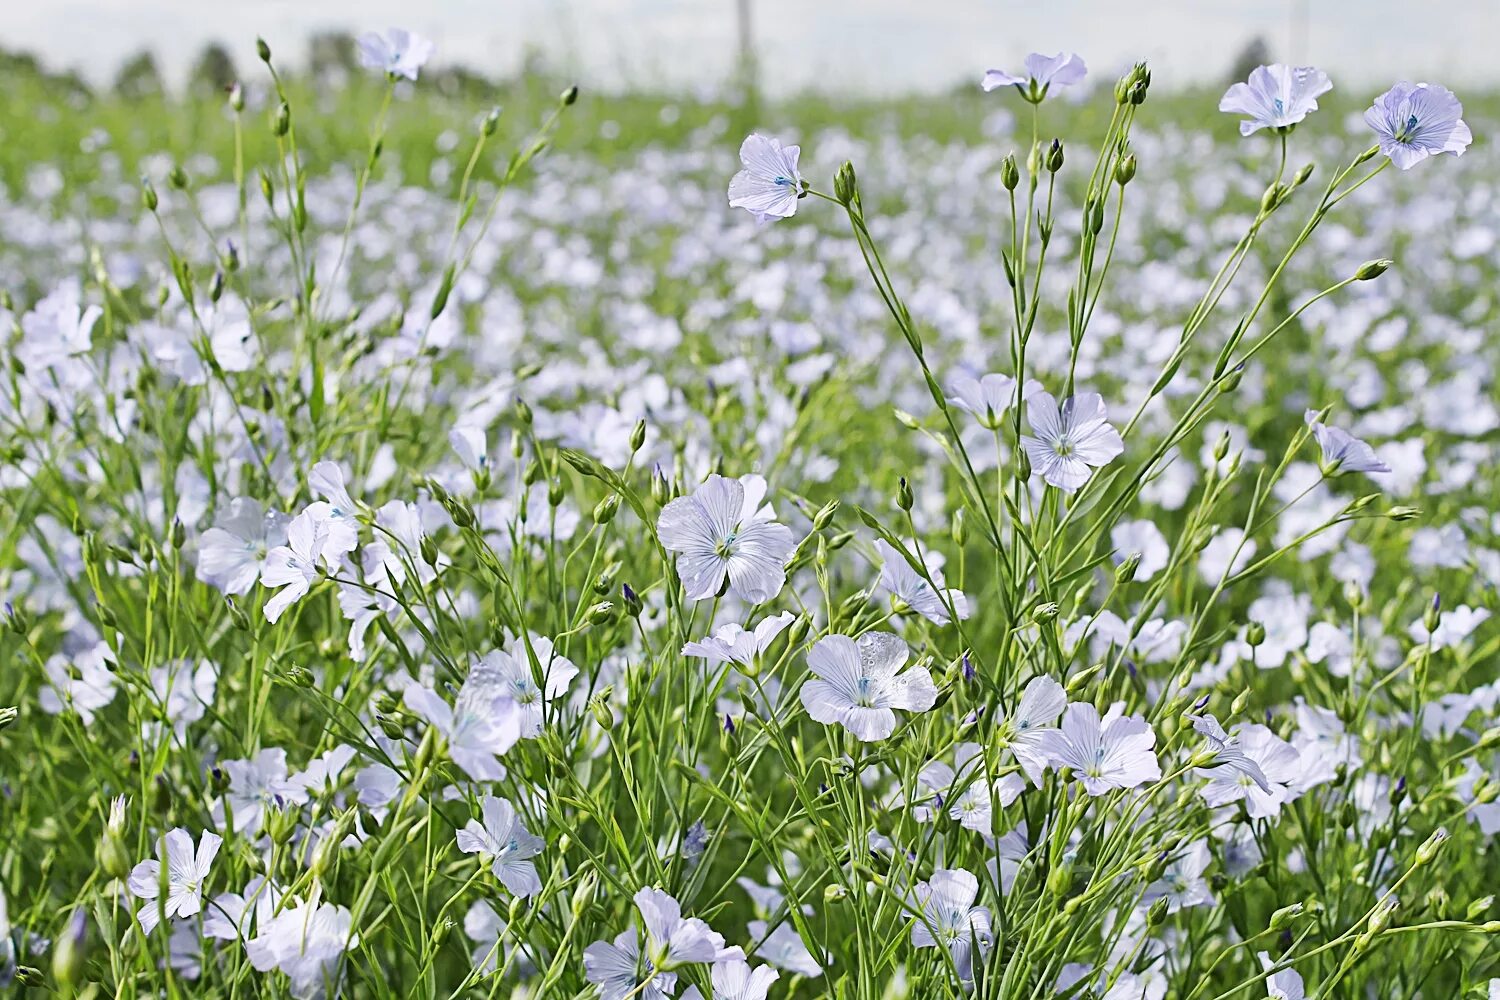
824, 517
583, 894
491, 123
69, 953
112, 855
237, 96
1125, 170
148, 196
600, 710
1255, 634
845, 186
1010, 173
604, 510
632, 601
1157, 914
1403, 513
1372, 269
1433, 614
1055, 156
637, 436
282, 123
1044, 612
569, 97
1240, 701
903, 494
959, 528
262, 49
1125, 572
1431, 846
601, 613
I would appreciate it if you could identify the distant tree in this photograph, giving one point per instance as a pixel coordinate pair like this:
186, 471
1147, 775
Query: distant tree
1255, 53
139, 77
213, 72
331, 54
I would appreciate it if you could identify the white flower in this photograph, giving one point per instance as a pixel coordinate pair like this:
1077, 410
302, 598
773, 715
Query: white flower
1279, 765
783, 948
397, 53
722, 532
481, 726
949, 916
83, 683
857, 684
471, 447
306, 941
901, 580
186, 871
1141, 538
769, 186
735, 980
256, 785
1067, 443
733, 643
987, 397
617, 969
1454, 627
673, 940
294, 566
1288, 985
1105, 754
1276, 96
510, 675
1026, 729
1182, 883
970, 798
337, 511
1342, 451
232, 554
504, 839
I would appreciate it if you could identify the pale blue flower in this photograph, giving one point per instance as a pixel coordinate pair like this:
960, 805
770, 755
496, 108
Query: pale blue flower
770, 185
396, 53
1042, 71
1418, 120
1276, 96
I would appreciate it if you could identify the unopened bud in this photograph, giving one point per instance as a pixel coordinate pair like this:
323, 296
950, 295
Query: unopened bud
1372, 269
263, 50
1431, 846
282, 123
1055, 156
824, 517
604, 510
845, 187
1125, 572
1010, 173
1125, 170
903, 494
69, 953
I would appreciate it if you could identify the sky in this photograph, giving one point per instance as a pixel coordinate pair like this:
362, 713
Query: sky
876, 47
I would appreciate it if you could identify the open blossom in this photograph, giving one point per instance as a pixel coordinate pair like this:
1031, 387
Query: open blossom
949, 917
186, 870
294, 566
83, 683
1278, 765
233, 553
620, 970
1276, 96
769, 185
857, 685
733, 643
504, 839
1105, 754
1026, 729
1067, 443
307, 941
510, 675
735, 980
480, 726
987, 397
397, 52
962, 787
1342, 451
902, 581
1415, 121
336, 511
1227, 752
722, 532
255, 785
1287, 984
1182, 883
1042, 71
673, 940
